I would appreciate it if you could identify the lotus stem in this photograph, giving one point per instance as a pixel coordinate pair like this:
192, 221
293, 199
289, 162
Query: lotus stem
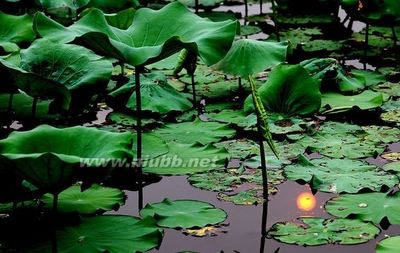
246, 9
366, 46
196, 3
261, 7
264, 226
122, 69
34, 106
394, 37
55, 204
138, 70
240, 84
194, 91
10, 102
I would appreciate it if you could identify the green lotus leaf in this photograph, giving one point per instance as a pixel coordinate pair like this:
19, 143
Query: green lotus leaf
332, 76
113, 6
196, 131
246, 30
337, 103
382, 133
318, 231
77, 68
143, 42
22, 107
248, 197
340, 175
15, 30
372, 207
232, 179
388, 245
339, 140
92, 200
51, 158
157, 95
122, 121
290, 91
54, 70
107, 233
393, 166
249, 57
204, 3
186, 159
153, 146
121, 20
184, 213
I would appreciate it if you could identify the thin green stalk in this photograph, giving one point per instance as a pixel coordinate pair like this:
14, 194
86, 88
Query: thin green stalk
194, 92
138, 70
261, 7
196, 2
246, 9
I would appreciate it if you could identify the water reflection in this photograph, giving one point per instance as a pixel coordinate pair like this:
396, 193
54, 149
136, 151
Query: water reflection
306, 201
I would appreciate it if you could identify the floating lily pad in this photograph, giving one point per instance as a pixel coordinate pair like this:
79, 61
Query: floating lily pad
395, 156
111, 233
205, 231
95, 199
382, 133
186, 159
372, 207
339, 140
184, 213
393, 166
318, 231
232, 179
248, 197
153, 146
388, 245
340, 175
196, 131
125, 121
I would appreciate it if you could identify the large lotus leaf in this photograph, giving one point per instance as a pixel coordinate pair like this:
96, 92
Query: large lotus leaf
184, 213
123, 121
92, 200
184, 159
15, 30
318, 231
289, 90
157, 95
77, 68
340, 175
388, 245
153, 146
382, 133
248, 197
108, 233
154, 35
339, 140
51, 158
36, 85
367, 206
196, 131
336, 103
52, 68
249, 57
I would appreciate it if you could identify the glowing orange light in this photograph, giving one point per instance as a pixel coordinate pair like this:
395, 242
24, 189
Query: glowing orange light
306, 201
